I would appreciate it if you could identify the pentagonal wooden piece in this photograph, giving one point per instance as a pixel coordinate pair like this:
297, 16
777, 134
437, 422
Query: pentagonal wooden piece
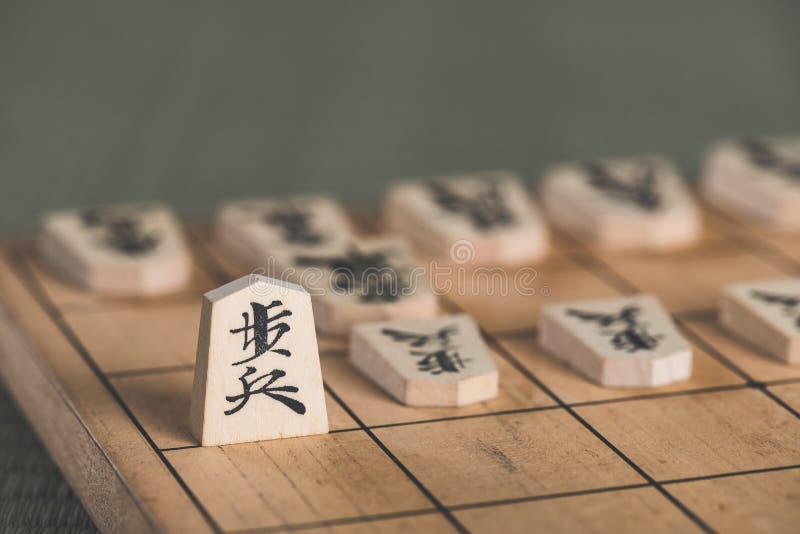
370, 280
634, 203
482, 218
252, 231
756, 179
430, 362
132, 249
619, 342
765, 313
257, 374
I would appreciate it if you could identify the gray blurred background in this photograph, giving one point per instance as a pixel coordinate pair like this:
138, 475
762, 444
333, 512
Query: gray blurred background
192, 103
195, 102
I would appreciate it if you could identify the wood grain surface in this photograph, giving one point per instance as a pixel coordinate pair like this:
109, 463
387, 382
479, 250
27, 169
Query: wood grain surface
106, 385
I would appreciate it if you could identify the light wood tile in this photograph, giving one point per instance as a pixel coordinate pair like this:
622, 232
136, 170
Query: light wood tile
700, 434
615, 511
375, 407
503, 300
571, 387
507, 456
692, 279
296, 480
749, 359
428, 523
764, 502
123, 339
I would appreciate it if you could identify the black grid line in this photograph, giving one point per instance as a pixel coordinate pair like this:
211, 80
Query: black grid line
33, 286
149, 371
295, 527
641, 472
406, 471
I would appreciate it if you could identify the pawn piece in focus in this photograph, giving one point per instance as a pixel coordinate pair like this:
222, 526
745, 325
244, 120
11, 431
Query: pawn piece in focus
617, 342
765, 313
756, 180
253, 230
257, 374
370, 280
431, 362
635, 203
491, 211
122, 250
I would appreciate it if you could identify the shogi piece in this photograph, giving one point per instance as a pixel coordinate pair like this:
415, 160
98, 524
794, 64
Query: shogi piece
370, 280
634, 203
756, 179
252, 231
618, 342
134, 249
485, 218
765, 313
433, 362
257, 374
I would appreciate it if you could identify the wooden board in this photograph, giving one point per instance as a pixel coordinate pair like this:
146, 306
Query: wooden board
106, 384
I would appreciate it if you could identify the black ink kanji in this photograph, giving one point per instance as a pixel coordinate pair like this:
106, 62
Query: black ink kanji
249, 389
261, 330
641, 190
369, 275
762, 155
486, 209
788, 302
123, 232
626, 332
443, 357
295, 224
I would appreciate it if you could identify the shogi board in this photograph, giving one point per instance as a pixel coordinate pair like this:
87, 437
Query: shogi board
106, 385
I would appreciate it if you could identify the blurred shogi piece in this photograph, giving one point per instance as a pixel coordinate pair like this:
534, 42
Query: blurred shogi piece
251, 231
257, 374
766, 314
619, 342
368, 280
119, 250
632, 203
756, 180
491, 212
430, 362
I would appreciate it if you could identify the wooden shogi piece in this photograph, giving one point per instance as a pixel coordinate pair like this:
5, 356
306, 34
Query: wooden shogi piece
254, 231
485, 218
618, 342
257, 375
756, 180
766, 314
632, 203
369, 280
122, 250
429, 362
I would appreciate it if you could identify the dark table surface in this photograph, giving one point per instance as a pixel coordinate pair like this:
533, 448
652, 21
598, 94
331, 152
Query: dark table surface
191, 103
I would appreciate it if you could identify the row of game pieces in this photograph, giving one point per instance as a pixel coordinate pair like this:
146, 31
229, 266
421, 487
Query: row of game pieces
258, 373
625, 203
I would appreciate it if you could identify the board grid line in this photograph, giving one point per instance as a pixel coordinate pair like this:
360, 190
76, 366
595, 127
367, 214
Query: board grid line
26, 276
443, 509
571, 411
